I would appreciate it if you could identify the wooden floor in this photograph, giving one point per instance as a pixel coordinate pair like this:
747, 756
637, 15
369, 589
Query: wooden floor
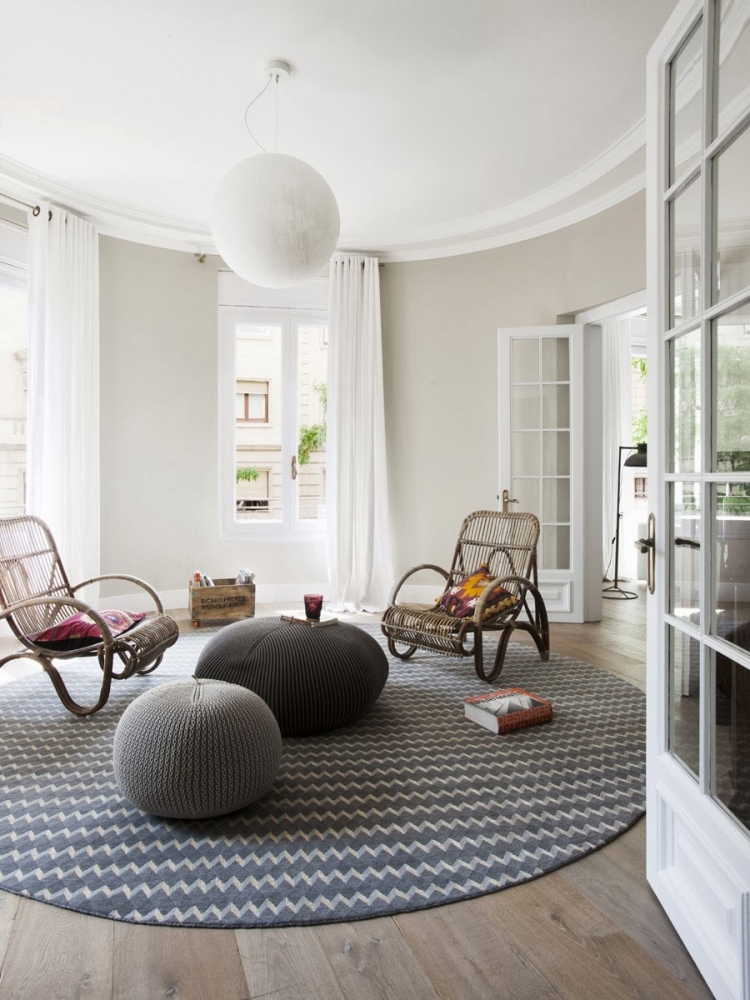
590, 930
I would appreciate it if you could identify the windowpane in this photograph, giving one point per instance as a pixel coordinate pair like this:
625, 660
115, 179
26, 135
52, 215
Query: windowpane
556, 406
555, 359
526, 491
732, 699
732, 562
685, 254
734, 57
525, 360
685, 540
312, 388
731, 270
258, 423
525, 458
684, 698
555, 547
556, 453
686, 104
731, 351
13, 361
685, 363
525, 402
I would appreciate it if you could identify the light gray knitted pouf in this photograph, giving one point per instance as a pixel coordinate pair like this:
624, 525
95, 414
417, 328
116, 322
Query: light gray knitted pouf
196, 748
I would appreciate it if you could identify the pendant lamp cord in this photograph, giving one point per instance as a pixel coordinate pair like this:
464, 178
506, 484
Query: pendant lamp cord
247, 109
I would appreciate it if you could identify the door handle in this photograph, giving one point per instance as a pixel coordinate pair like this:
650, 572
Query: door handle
507, 501
294, 466
648, 545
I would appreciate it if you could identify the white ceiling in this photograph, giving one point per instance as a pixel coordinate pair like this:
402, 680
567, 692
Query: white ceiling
441, 126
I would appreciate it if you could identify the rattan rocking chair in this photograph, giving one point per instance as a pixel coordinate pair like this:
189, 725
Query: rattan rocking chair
506, 542
35, 594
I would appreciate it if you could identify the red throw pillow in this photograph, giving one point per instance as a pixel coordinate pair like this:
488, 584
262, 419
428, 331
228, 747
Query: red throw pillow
78, 631
461, 599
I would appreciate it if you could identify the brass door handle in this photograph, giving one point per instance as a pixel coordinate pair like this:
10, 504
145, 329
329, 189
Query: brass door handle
294, 466
648, 545
507, 501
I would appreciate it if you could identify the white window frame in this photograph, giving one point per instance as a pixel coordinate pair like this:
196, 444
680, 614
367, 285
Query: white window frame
290, 527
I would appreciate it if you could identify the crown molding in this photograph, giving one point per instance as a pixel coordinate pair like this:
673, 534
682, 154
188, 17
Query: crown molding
500, 227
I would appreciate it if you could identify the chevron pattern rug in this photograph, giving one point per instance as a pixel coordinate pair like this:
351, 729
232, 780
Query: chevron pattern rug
410, 807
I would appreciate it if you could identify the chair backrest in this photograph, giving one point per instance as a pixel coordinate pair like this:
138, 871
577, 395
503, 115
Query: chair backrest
506, 542
30, 567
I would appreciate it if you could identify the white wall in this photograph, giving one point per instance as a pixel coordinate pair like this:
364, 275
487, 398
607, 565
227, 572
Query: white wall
159, 443
440, 320
160, 516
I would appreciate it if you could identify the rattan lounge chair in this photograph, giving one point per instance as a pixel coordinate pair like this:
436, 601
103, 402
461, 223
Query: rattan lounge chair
506, 543
35, 594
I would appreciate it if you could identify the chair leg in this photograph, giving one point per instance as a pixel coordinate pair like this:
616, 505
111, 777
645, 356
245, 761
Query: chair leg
59, 684
497, 665
154, 665
409, 651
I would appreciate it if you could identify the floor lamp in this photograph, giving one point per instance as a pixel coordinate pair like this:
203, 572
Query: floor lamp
638, 460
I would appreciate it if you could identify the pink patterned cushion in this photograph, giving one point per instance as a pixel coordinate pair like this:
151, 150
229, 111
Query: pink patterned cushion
79, 631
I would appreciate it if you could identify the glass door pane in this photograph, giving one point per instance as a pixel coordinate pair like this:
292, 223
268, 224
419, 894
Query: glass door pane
732, 723
731, 359
312, 405
685, 379
733, 78
684, 698
259, 409
685, 254
731, 270
686, 105
732, 562
685, 540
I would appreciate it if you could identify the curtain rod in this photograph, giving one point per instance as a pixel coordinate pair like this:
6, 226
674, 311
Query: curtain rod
17, 201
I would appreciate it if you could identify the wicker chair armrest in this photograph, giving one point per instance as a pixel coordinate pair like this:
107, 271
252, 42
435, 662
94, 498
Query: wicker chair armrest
120, 576
107, 639
416, 569
498, 582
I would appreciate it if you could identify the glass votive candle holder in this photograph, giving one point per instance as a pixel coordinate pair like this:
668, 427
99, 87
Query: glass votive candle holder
313, 606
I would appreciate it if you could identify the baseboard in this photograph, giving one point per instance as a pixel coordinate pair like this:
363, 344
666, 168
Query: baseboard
174, 600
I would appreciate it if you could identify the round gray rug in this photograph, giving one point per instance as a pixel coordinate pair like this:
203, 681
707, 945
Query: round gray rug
407, 808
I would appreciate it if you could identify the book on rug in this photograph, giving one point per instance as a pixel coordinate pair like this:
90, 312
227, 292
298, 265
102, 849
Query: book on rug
298, 618
507, 710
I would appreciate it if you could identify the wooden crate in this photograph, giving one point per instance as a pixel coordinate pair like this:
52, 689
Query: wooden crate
224, 601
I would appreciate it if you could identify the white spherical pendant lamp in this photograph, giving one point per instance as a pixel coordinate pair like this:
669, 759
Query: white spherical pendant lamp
275, 220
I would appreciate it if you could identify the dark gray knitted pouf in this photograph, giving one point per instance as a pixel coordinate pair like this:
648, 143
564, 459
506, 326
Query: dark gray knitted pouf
312, 678
196, 748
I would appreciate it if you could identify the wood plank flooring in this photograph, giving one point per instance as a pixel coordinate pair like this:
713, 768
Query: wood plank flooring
590, 931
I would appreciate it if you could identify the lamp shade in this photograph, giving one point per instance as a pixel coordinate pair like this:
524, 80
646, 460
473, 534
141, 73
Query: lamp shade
639, 458
275, 220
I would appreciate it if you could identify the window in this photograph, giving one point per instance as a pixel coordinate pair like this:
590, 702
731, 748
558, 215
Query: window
639, 488
13, 366
274, 363
251, 401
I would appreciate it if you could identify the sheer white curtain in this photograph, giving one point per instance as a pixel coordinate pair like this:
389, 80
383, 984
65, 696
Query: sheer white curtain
616, 424
63, 384
359, 547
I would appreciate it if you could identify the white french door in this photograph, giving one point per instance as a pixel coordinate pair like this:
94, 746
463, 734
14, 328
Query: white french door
549, 419
698, 238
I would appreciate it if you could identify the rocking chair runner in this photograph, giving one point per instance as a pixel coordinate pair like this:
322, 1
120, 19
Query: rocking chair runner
506, 542
35, 594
